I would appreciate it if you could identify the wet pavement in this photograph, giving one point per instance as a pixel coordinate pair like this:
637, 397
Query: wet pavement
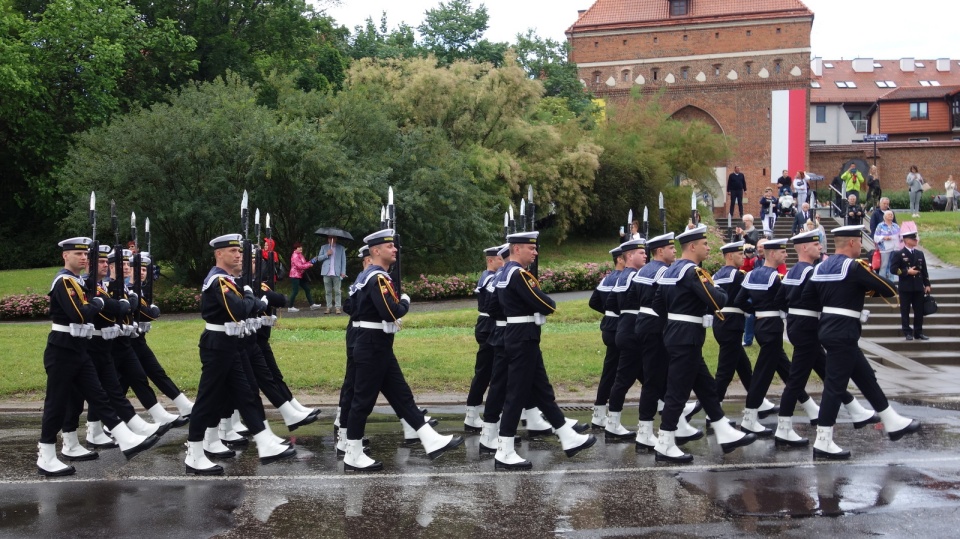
895, 489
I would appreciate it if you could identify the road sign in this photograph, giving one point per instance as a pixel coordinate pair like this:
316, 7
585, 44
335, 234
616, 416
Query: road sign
875, 138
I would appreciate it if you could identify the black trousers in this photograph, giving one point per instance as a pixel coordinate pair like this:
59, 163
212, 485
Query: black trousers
131, 373
271, 361
655, 366
263, 376
808, 356
845, 362
67, 369
688, 371
732, 358
482, 371
609, 373
629, 369
527, 378
907, 300
736, 197
377, 371
223, 379
771, 359
116, 395
346, 390
152, 368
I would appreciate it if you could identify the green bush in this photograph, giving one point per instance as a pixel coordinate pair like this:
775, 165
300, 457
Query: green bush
178, 299
24, 306
900, 200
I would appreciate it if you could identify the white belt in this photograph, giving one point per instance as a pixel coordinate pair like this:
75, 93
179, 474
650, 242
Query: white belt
520, 320
501, 323
732, 310
484, 314
629, 311
649, 311
767, 314
216, 327
97, 333
611, 314
844, 312
805, 312
685, 318
60, 328
368, 325
82, 331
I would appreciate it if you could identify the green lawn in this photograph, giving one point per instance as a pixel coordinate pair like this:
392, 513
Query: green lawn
939, 234
28, 281
436, 350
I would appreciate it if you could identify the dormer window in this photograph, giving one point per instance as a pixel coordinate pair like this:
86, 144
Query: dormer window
679, 7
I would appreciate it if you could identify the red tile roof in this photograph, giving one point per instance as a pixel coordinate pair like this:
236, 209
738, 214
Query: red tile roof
639, 13
867, 90
920, 92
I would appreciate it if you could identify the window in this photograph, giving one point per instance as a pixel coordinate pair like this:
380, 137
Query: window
877, 65
679, 7
955, 112
929, 83
656, 39
918, 111
596, 44
716, 69
596, 77
776, 67
821, 114
828, 65
749, 33
625, 75
778, 30
919, 139
749, 68
624, 42
684, 73
814, 84
886, 84
918, 64
845, 84
656, 73
684, 37
716, 35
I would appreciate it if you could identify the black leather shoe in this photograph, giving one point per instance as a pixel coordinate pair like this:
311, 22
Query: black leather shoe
909, 337
457, 441
111, 445
433, 422
375, 467
93, 455
522, 465
471, 428
682, 459
216, 470
610, 437
69, 470
921, 337
289, 452
591, 439
914, 426
144, 445
180, 421
162, 429
874, 419
746, 440
680, 440
762, 414
221, 455
305, 421
643, 448
696, 408
820, 454
485, 449
580, 428
780, 442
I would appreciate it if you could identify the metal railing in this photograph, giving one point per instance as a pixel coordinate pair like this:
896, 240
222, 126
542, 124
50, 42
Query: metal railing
859, 125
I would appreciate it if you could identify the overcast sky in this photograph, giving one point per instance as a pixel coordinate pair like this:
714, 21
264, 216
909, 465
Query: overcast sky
882, 29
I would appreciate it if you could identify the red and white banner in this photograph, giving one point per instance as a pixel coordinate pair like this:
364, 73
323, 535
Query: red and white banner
788, 132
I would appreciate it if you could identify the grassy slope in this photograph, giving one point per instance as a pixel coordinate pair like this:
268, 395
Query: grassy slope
939, 234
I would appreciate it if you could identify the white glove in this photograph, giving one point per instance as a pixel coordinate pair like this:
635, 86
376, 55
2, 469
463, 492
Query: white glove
264, 300
246, 288
405, 297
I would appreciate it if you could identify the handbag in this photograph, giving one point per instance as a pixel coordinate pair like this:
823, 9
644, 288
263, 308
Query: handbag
875, 260
926, 186
929, 305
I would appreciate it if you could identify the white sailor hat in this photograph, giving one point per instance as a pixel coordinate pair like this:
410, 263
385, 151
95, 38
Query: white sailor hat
80, 243
616, 251
632, 245
693, 234
524, 237
733, 247
912, 235
125, 253
504, 250
809, 236
849, 231
660, 241
386, 235
104, 250
227, 240
492, 251
364, 252
145, 257
780, 243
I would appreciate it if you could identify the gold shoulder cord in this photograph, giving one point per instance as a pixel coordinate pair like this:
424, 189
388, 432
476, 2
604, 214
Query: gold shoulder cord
224, 287
80, 295
385, 286
527, 277
866, 266
705, 278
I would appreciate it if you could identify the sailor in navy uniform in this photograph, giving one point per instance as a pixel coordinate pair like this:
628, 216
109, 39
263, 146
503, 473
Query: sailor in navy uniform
483, 365
379, 312
526, 308
837, 288
758, 295
346, 389
910, 267
729, 331
225, 309
631, 361
808, 355
689, 297
608, 334
68, 364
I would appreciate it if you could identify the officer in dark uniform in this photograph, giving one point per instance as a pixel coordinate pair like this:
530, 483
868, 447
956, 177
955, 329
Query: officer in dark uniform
68, 364
808, 354
630, 362
484, 327
910, 266
688, 296
608, 333
758, 295
526, 308
379, 312
225, 308
838, 287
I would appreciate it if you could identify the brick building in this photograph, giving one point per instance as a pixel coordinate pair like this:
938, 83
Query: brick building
721, 61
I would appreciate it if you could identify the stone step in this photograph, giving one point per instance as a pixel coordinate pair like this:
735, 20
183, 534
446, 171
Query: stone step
876, 331
879, 307
936, 357
888, 317
907, 348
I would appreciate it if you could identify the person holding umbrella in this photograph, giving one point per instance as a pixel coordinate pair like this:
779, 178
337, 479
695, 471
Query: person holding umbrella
333, 259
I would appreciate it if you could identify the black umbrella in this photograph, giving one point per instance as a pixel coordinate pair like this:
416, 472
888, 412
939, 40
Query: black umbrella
330, 231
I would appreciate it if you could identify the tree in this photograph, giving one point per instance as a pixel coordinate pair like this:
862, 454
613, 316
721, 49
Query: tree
372, 41
454, 31
547, 61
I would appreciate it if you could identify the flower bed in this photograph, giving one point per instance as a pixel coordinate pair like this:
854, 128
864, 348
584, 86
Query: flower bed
24, 306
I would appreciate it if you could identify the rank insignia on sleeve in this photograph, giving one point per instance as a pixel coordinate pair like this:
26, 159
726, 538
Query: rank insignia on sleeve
71, 292
384, 290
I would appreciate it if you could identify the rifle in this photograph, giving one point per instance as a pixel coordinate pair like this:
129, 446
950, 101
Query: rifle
255, 253
148, 287
663, 214
116, 285
93, 258
247, 262
646, 224
535, 266
135, 263
391, 222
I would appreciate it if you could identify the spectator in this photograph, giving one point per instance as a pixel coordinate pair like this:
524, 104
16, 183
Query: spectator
749, 262
837, 187
815, 225
852, 181
736, 185
785, 182
915, 186
768, 211
951, 192
887, 240
873, 186
749, 235
877, 216
298, 265
334, 269
854, 211
801, 218
801, 185
634, 232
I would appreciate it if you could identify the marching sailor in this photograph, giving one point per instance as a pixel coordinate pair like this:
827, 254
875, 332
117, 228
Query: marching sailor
608, 333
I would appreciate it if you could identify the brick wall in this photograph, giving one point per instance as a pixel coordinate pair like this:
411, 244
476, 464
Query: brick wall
934, 159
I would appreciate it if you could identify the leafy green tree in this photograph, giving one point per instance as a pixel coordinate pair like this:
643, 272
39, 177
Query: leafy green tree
373, 41
547, 60
454, 31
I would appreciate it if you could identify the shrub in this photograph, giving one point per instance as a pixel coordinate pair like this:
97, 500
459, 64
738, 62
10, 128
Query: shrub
178, 299
900, 200
24, 306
